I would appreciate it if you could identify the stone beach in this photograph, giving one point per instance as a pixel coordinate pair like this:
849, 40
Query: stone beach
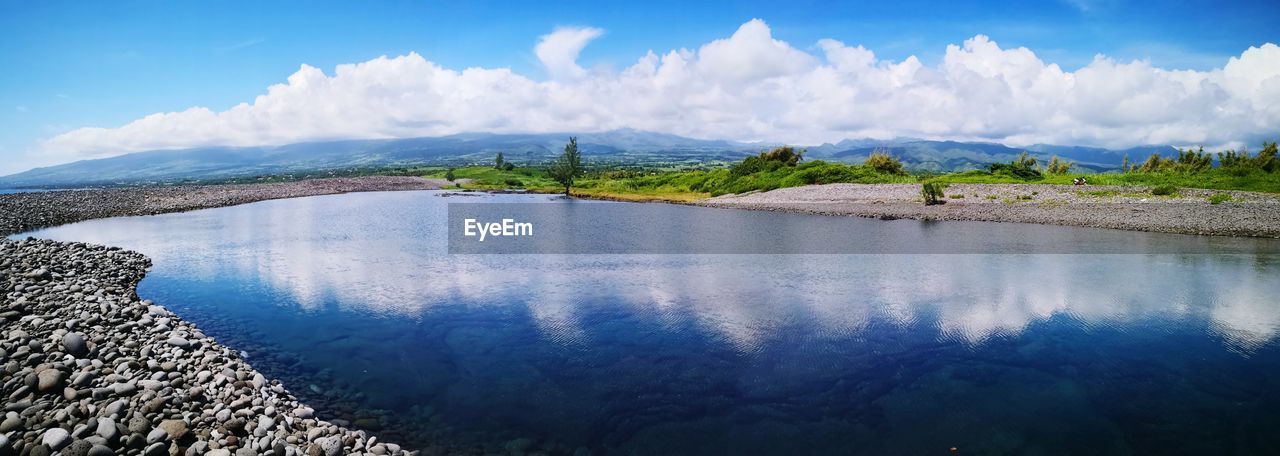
1127, 208
91, 369
20, 212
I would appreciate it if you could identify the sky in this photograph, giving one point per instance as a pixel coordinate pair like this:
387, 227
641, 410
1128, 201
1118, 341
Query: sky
87, 80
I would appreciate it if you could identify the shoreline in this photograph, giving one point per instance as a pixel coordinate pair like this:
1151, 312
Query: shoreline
92, 369
1246, 214
119, 375
22, 212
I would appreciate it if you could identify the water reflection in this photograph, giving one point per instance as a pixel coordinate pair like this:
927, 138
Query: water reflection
397, 267
792, 346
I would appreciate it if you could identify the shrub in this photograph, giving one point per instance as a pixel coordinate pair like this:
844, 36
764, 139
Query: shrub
448, 175
1164, 190
885, 163
1023, 167
932, 193
1219, 198
514, 183
767, 161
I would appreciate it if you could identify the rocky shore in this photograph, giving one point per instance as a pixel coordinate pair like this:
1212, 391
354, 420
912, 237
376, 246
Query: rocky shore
90, 369
21, 212
1127, 208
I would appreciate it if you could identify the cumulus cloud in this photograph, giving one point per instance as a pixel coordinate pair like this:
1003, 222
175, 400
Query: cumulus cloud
749, 86
558, 51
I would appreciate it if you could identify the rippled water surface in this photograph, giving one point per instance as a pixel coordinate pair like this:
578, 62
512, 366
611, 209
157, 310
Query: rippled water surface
354, 302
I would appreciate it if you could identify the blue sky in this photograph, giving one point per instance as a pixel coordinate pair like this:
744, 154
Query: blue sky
103, 64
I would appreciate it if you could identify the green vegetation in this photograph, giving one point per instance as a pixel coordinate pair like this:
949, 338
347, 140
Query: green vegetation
1219, 198
885, 163
785, 167
449, 176
1164, 190
932, 193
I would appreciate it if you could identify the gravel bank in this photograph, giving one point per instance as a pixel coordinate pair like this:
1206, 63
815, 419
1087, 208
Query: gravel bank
90, 369
1127, 208
21, 212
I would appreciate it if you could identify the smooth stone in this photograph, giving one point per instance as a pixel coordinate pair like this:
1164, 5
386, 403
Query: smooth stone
156, 449
157, 435
50, 379
107, 429
74, 344
178, 342
56, 438
12, 422
246, 452
6, 448
219, 452
101, 450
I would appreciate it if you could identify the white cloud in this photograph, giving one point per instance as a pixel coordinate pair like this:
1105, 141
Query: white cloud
558, 51
749, 86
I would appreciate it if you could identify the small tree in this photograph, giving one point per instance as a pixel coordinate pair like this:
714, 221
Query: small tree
499, 161
508, 166
568, 166
448, 175
1057, 166
1125, 166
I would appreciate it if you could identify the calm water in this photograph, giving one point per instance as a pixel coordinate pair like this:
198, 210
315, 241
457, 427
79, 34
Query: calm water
354, 302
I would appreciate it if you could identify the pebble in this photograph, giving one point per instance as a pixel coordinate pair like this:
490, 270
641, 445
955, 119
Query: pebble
74, 345
56, 438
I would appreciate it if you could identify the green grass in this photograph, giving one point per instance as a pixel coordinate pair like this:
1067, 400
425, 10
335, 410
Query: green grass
1219, 198
682, 185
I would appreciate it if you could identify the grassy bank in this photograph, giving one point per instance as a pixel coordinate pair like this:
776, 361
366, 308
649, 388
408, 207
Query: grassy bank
783, 167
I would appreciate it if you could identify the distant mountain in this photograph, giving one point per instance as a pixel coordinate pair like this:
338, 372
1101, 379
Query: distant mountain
624, 146
945, 156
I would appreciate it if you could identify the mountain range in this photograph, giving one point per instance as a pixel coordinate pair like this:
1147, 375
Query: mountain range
622, 147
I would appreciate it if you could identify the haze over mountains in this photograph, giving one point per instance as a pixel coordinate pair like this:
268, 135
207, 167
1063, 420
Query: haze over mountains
624, 146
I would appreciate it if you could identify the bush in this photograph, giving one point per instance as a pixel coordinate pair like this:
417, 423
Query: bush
1164, 190
932, 193
448, 175
885, 163
1219, 198
767, 161
1023, 167
514, 183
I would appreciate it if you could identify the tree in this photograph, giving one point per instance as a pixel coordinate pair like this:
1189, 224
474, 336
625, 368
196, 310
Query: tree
1125, 166
448, 175
508, 166
568, 166
1057, 166
497, 162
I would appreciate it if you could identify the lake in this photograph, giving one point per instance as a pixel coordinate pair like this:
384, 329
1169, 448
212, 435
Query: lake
355, 302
